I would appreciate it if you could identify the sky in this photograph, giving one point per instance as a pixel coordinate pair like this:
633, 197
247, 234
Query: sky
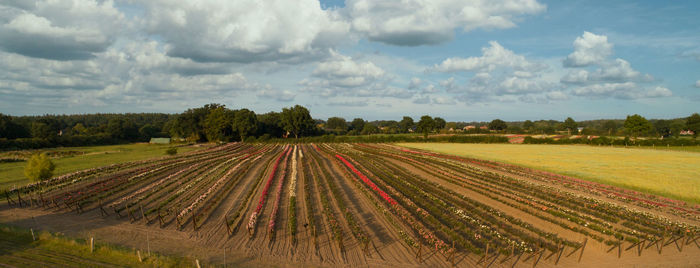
379, 60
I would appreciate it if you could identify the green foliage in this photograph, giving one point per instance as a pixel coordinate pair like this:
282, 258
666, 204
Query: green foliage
171, 151
610, 126
297, 121
336, 124
369, 129
425, 125
39, 167
570, 125
636, 125
528, 125
498, 125
122, 128
357, 124
217, 124
693, 123
439, 123
245, 123
405, 124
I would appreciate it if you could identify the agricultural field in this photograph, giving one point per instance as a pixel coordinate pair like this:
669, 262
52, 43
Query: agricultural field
670, 173
364, 204
72, 159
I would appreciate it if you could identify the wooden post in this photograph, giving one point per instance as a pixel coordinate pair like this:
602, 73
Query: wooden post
138, 253
196, 262
561, 251
619, 250
538, 258
160, 217
194, 224
640, 247
92, 244
517, 259
485, 254
582, 248
10, 202
19, 198
32, 231
494, 259
228, 228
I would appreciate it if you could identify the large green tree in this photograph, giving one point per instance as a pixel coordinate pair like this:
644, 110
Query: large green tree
39, 167
610, 126
637, 125
297, 121
425, 125
439, 123
498, 125
693, 123
357, 124
405, 124
528, 125
245, 123
570, 125
336, 124
217, 124
370, 129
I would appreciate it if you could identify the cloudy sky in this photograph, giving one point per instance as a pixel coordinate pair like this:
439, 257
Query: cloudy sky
462, 60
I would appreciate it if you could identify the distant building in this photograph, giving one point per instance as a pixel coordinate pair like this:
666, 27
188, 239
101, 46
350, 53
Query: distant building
484, 127
469, 127
580, 129
687, 132
159, 141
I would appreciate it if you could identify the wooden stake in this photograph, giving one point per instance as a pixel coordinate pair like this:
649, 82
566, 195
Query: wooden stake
32, 231
196, 262
485, 254
143, 214
92, 244
561, 251
640, 247
517, 259
19, 198
538, 258
138, 253
494, 259
228, 228
10, 202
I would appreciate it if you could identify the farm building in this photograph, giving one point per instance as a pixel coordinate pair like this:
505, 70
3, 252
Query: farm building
159, 141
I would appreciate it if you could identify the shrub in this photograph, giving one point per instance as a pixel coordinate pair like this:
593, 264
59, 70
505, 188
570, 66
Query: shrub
39, 167
171, 151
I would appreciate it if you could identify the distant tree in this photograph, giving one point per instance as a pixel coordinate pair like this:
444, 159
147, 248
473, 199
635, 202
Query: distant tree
297, 121
79, 129
148, 131
271, 124
39, 167
637, 125
662, 127
498, 125
439, 123
171, 151
405, 124
570, 125
122, 128
336, 124
369, 129
425, 125
693, 124
217, 124
245, 123
610, 126
9, 129
357, 124
528, 125
41, 130
451, 125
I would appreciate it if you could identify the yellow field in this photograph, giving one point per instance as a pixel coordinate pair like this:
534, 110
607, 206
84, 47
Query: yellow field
668, 173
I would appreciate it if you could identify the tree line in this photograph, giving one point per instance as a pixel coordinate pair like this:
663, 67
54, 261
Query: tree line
215, 122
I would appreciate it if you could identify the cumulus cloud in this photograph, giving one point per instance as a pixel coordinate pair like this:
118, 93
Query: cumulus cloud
245, 31
494, 56
497, 72
589, 49
593, 74
428, 22
627, 90
60, 29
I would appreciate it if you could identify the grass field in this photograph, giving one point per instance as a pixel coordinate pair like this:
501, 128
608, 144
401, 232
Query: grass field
18, 249
12, 174
669, 173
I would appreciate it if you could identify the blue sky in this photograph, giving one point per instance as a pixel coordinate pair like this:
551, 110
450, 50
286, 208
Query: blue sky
461, 60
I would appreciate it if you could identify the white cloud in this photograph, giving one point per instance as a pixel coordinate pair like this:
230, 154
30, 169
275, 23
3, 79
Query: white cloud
627, 90
278, 95
415, 83
245, 31
697, 84
494, 56
497, 72
589, 49
427, 22
557, 95
343, 71
61, 29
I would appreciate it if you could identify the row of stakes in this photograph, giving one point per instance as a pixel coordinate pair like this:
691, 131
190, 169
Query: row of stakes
640, 246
